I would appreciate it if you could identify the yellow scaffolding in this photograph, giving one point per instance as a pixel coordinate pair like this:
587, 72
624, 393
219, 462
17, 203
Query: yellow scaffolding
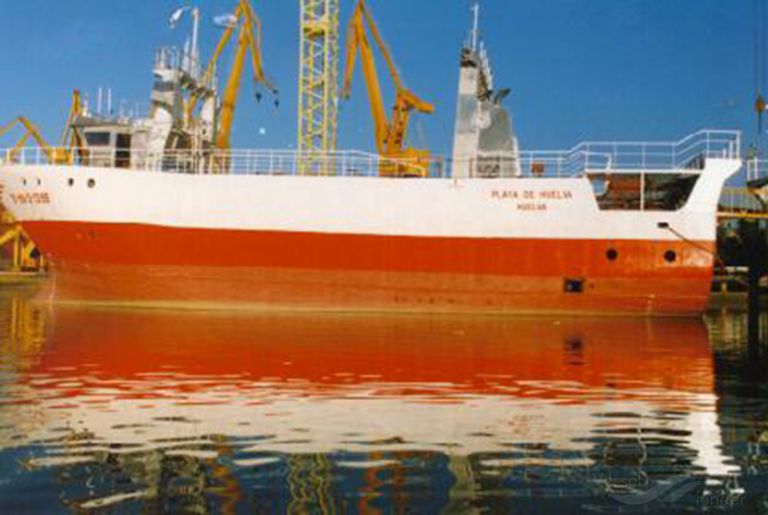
318, 84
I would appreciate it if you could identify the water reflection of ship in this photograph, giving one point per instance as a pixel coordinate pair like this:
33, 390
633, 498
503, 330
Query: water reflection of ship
22, 331
304, 411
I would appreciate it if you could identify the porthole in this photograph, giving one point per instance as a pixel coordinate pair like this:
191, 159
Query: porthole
39, 182
612, 254
670, 256
24, 182
70, 182
91, 183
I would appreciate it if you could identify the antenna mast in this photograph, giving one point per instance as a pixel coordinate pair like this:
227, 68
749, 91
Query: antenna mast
195, 68
475, 25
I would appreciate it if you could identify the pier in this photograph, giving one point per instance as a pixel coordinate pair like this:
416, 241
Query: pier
742, 248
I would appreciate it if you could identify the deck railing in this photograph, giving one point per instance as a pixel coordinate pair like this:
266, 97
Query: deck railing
237, 162
542, 163
690, 152
605, 157
623, 156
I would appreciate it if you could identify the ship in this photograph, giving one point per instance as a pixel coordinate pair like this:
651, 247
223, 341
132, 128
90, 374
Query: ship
145, 212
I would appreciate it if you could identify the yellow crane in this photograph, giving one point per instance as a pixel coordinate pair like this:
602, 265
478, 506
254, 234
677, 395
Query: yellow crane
390, 134
30, 131
23, 253
247, 23
71, 139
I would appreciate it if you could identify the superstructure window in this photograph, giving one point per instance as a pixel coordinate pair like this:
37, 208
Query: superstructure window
650, 191
98, 139
668, 192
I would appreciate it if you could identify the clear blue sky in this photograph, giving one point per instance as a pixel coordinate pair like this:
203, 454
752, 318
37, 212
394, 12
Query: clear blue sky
578, 69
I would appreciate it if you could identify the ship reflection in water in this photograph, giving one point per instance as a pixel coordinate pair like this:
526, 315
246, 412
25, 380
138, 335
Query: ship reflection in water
222, 412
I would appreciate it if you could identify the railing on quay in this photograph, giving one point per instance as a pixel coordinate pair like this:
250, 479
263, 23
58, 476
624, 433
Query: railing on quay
743, 203
757, 170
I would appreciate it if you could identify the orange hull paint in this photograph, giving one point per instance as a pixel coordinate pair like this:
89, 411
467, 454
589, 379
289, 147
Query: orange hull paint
119, 262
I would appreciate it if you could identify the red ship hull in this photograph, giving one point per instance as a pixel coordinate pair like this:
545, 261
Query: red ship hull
288, 270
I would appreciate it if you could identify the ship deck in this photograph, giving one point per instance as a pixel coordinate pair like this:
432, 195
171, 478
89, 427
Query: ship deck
587, 158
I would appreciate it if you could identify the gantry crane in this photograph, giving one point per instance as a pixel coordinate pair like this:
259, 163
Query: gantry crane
390, 134
247, 23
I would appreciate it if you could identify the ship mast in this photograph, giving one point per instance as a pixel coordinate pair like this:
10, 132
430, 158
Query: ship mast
484, 141
191, 58
475, 25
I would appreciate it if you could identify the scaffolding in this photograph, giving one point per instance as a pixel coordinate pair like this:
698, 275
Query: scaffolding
318, 83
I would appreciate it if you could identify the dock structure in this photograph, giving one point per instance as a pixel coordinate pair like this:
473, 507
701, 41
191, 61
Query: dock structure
743, 203
18, 251
743, 238
20, 261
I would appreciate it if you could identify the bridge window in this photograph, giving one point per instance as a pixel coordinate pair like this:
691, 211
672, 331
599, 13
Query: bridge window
98, 139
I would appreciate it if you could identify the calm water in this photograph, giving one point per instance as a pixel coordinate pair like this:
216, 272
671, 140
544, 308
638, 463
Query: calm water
149, 411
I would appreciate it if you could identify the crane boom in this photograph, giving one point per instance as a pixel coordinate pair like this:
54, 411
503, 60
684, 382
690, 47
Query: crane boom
357, 40
210, 68
390, 134
71, 137
231, 91
32, 131
248, 27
